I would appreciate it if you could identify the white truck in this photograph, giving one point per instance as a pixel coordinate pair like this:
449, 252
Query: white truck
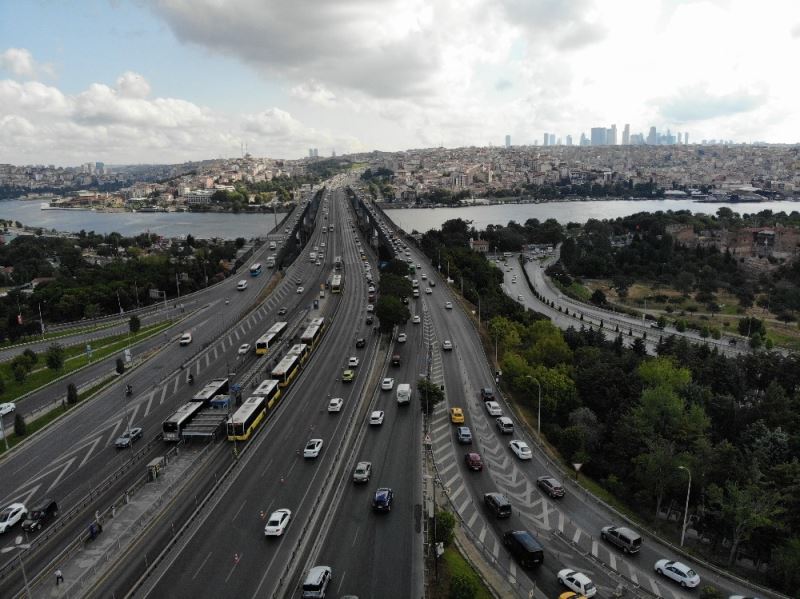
403, 393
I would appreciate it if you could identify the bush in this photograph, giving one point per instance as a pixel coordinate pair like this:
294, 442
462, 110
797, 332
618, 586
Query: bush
72, 394
120, 366
445, 523
2, 385
20, 372
31, 355
55, 357
709, 592
461, 587
134, 324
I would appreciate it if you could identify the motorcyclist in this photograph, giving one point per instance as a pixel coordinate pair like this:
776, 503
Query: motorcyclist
191, 378
128, 389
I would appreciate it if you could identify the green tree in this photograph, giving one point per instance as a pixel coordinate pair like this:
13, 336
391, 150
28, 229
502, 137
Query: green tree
663, 372
20, 373
785, 570
429, 394
120, 366
2, 385
461, 587
134, 324
32, 357
598, 298
755, 341
391, 311
396, 285
55, 357
709, 592
445, 524
72, 394
655, 469
744, 508
20, 427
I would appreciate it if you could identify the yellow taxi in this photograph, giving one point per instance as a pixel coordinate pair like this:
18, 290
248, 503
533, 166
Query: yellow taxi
456, 416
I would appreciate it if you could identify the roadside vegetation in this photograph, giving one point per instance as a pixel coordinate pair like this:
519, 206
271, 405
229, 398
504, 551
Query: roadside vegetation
638, 423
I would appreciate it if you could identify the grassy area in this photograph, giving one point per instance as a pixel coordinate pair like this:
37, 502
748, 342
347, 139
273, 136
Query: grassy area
453, 564
75, 358
58, 334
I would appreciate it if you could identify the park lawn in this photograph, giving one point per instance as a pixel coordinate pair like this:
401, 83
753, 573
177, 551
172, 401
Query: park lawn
452, 564
74, 358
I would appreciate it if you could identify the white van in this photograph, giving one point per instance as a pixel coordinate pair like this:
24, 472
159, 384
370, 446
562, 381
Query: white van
241, 285
316, 582
403, 393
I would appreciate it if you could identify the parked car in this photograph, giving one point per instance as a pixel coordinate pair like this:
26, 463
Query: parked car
550, 486
680, 573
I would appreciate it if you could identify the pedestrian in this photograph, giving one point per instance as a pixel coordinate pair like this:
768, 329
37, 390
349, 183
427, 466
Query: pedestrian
59, 577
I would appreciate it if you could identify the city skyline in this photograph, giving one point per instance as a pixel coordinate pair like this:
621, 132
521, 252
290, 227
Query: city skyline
163, 82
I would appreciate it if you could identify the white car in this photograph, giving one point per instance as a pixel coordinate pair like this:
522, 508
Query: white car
519, 298
7, 408
401, 338
300, 290
376, 417
428, 290
578, 582
447, 345
521, 449
370, 307
335, 404
423, 276
680, 573
186, 339
14, 513
416, 319
243, 349
387, 384
312, 449
514, 281
277, 523
448, 305
493, 408
352, 362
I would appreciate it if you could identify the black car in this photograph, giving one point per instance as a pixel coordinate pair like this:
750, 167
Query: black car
282, 311
41, 515
487, 394
550, 486
382, 501
361, 342
369, 319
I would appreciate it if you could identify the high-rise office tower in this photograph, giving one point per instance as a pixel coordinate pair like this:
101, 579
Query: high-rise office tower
546, 139
626, 135
686, 137
680, 138
652, 137
568, 140
310, 152
611, 136
599, 136
584, 141
552, 139
508, 141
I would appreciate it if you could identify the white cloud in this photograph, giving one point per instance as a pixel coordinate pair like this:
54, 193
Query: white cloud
20, 63
315, 92
133, 85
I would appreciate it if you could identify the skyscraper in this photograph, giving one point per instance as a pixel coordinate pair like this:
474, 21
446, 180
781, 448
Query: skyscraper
508, 141
686, 137
546, 139
680, 138
584, 141
652, 137
552, 139
611, 136
568, 140
599, 136
626, 135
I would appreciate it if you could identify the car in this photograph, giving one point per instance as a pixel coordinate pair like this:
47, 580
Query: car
376, 418
493, 408
519, 298
448, 305
487, 394
300, 290
432, 283
186, 339
241, 285
370, 308
382, 500
680, 573
243, 349
44, 511
335, 404
577, 581
550, 486
369, 319
387, 384
282, 311
14, 513
456, 415
623, 537
360, 342
318, 263
416, 319
312, 448
401, 338
348, 375
396, 360
428, 290
570, 595
464, 435
128, 437
520, 449
419, 266
447, 345
352, 362
505, 425
362, 472
277, 523
7, 408
423, 276
371, 289
473, 461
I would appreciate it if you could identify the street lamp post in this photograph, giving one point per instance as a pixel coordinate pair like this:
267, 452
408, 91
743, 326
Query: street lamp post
686, 509
539, 413
20, 546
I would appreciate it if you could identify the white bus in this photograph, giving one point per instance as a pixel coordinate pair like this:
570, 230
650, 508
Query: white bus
172, 428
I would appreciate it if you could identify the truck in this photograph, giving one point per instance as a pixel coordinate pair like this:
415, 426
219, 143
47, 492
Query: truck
403, 393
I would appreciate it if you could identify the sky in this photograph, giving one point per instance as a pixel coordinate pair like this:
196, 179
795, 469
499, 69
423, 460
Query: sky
166, 81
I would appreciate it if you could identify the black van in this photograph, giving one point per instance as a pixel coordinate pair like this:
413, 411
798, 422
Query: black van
498, 504
525, 547
41, 515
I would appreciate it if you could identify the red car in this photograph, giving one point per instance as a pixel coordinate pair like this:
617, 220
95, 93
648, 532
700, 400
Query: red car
473, 461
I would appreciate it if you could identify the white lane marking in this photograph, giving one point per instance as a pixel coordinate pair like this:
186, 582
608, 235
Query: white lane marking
201, 566
576, 536
463, 506
472, 519
239, 510
163, 394
355, 536
613, 561
482, 534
